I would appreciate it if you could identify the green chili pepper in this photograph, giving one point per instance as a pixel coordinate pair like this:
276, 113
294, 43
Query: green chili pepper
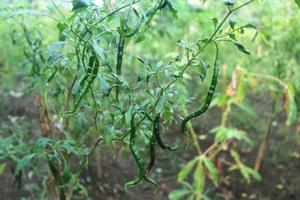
151, 162
120, 61
92, 62
152, 153
149, 180
52, 75
85, 86
156, 132
158, 5
137, 27
209, 96
163, 4
138, 159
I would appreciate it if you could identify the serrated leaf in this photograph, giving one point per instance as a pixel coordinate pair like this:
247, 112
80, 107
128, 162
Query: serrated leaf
226, 133
186, 170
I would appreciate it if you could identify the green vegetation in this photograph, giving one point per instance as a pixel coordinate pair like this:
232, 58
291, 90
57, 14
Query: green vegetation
212, 78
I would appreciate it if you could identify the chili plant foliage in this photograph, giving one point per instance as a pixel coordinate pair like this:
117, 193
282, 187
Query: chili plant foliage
92, 86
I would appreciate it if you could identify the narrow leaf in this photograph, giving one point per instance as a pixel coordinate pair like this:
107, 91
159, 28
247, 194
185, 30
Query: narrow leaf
24, 162
178, 194
186, 170
211, 169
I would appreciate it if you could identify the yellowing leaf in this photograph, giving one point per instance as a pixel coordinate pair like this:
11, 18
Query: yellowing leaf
292, 107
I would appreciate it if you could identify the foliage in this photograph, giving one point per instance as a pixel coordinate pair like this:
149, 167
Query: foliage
100, 74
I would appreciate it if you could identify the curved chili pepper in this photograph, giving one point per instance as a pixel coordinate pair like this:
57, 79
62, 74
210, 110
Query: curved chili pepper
209, 96
156, 132
152, 153
137, 157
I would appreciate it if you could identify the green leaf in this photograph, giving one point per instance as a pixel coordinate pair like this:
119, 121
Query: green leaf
186, 170
68, 145
55, 58
178, 194
63, 31
104, 85
139, 38
199, 180
80, 4
211, 169
230, 133
99, 51
232, 23
172, 9
250, 26
41, 143
242, 48
203, 71
247, 173
66, 175
298, 3
128, 115
161, 104
24, 162
215, 21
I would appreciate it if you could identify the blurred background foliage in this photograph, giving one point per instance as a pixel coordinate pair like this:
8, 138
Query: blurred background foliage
257, 97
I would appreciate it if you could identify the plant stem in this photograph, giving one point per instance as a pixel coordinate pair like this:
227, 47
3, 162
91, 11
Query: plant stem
194, 135
263, 145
